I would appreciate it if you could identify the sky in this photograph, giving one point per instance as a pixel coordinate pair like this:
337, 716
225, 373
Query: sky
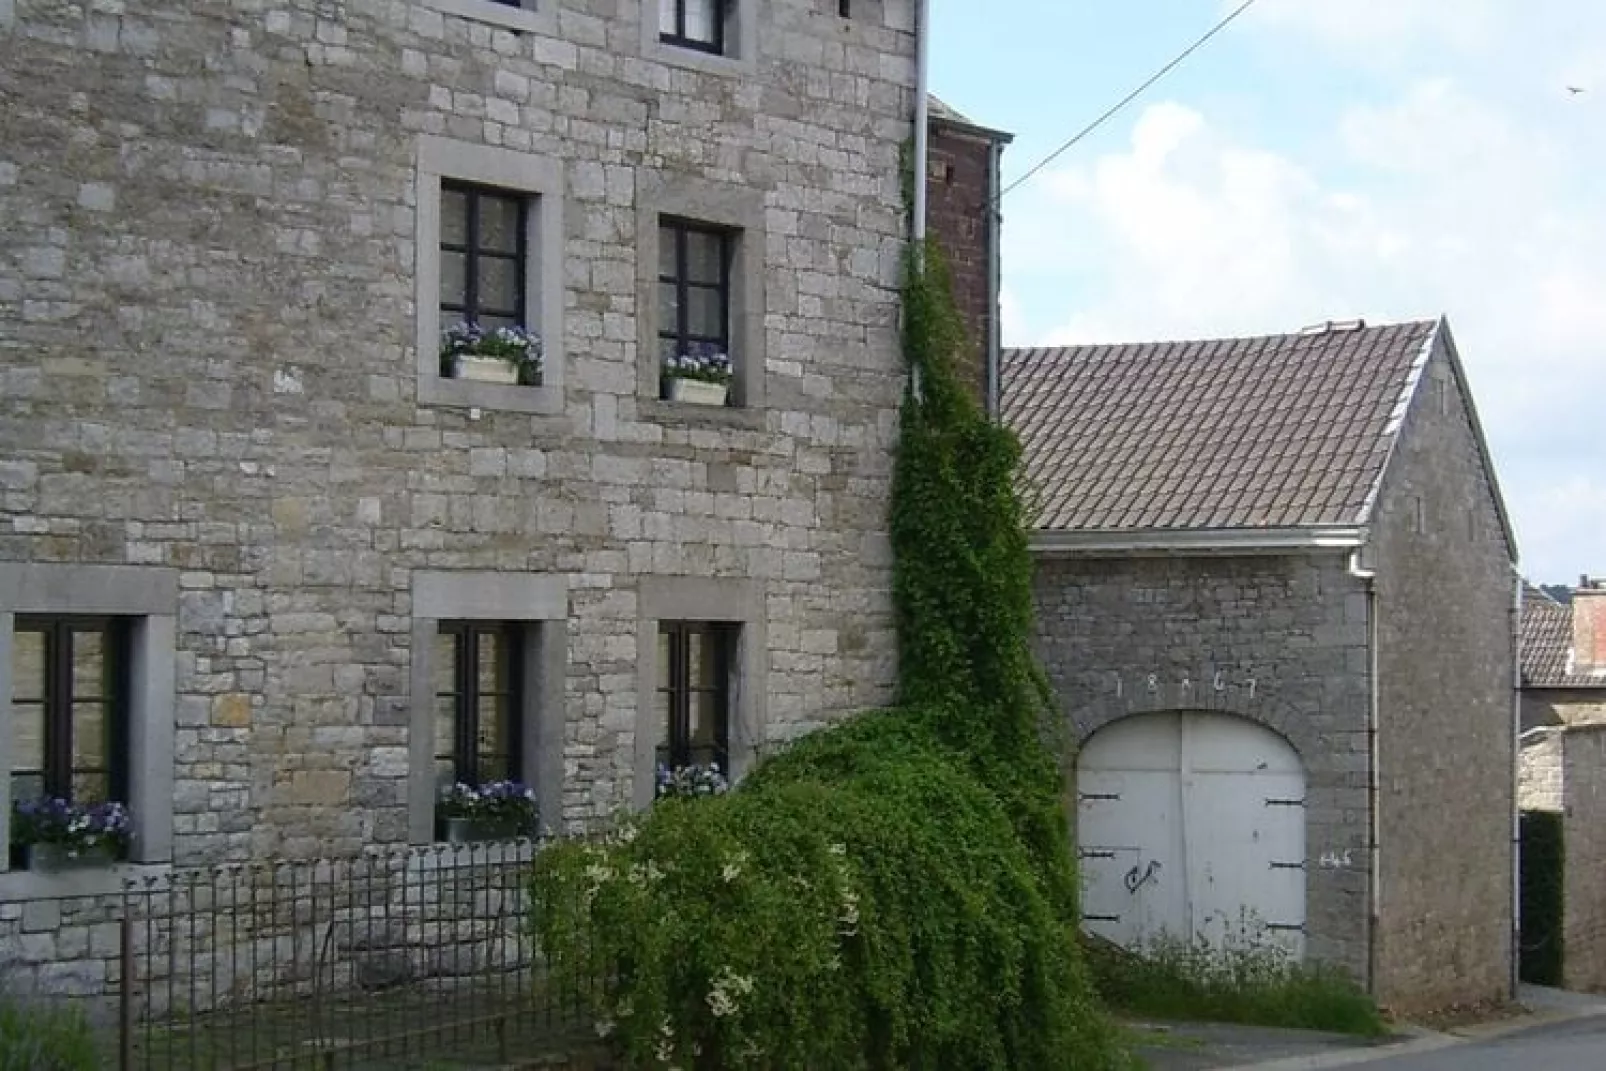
1322, 160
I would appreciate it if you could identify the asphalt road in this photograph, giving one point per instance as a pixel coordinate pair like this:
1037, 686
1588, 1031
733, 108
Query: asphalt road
1579, 1045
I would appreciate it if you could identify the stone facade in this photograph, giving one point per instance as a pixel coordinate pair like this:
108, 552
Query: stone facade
1281, 641
212, 364
1539, 772
1446, 648
962, 182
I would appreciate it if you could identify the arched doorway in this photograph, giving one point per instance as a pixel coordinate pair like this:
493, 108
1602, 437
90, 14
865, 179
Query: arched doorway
1191, 824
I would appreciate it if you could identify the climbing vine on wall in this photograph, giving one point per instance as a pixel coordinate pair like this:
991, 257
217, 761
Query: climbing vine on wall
893, 892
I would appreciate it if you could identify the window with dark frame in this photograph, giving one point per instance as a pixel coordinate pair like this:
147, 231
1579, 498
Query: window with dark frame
70, 695
695, 662
694, 288
695, 24
479, 699
483, 255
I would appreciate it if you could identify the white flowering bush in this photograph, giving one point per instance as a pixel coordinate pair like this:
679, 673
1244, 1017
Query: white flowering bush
707, 365
514, 345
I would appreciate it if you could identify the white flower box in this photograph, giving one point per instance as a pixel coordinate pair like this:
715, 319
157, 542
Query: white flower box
697, 391
487, 369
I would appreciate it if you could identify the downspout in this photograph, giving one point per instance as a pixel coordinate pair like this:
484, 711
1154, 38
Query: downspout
1516, 802
922, 122
995, 218
1374, 854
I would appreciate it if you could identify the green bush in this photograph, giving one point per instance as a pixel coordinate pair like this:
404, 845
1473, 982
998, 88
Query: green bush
894, 892
44, 1038
1244, 980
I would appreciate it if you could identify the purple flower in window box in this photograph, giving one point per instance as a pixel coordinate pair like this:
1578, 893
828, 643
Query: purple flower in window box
495, 809
502, 354
54, 832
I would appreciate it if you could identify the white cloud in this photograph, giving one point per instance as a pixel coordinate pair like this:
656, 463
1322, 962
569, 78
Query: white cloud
1441, 201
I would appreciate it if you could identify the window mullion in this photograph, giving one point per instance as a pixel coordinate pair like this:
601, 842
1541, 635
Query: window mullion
682, 288
471, 258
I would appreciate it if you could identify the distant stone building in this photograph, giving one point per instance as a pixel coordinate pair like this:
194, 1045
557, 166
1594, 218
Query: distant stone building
1275, 598
273, 569
1563, 683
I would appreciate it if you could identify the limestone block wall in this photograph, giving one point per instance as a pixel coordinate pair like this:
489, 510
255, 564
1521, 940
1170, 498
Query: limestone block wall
1278, 640
1584, 845
1446, 643
211, 361
1539, 772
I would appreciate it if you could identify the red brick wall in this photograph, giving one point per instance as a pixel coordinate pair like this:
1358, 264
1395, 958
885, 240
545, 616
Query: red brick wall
956, 195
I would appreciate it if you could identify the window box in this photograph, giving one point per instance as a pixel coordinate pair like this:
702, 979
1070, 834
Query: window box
485, 369
696, 392
55, 858
479, 830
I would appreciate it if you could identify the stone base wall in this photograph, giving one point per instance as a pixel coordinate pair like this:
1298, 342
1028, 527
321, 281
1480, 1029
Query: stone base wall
1539, 773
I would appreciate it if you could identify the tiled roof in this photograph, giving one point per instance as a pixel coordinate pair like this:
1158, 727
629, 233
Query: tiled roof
1547, 644
1271, 432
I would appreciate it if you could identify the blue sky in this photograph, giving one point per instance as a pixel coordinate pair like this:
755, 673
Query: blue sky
1323, 159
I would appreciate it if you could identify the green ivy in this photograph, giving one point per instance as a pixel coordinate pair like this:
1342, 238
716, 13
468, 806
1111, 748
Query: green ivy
893, 892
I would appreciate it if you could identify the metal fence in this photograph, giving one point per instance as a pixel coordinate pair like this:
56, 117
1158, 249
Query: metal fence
403, 959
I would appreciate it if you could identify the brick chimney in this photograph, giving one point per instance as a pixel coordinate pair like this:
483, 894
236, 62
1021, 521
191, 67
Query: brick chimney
1589, 626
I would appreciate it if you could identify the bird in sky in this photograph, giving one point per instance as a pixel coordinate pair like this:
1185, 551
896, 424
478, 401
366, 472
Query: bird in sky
1575, 90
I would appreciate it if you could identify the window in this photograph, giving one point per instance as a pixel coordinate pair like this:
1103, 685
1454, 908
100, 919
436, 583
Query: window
483, 255
694, 289
479, 698
696, 24
695, 661
489, 253
69, 708
520, 16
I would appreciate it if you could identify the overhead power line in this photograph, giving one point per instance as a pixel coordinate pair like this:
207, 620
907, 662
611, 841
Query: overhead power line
1130, 97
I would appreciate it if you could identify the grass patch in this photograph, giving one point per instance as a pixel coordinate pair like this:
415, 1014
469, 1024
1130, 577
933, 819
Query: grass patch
42, 1037
1244, 981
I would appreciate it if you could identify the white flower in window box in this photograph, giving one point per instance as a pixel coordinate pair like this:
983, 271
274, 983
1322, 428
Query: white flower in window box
508, 355
701, 377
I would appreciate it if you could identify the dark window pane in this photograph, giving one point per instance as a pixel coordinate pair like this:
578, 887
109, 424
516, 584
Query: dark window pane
89, 736
492, 727
491, 323
27, 737
492, 675
445, 663
668, 307
28, 665
668, 264
88, 665
27, 785
499, 284
705, 257
499, 224
454, 217
454, 278
90, 787
707, 719
706, 317
701, 16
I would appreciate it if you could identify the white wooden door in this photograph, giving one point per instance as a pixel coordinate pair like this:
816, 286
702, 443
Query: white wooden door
1191, 824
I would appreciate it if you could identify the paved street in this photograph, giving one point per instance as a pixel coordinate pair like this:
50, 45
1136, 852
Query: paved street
1579, 1045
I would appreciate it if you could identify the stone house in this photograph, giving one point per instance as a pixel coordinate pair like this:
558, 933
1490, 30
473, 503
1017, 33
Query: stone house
271, 570
1275, 599
1562, 769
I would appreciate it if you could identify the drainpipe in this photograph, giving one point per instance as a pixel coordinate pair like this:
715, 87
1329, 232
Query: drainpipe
1374, 852
922, 119
1516, 804
995, 218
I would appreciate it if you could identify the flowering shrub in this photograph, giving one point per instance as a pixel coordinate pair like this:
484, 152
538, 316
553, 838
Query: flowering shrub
77, 828
514, 345
508, 805
706, 364
693, 780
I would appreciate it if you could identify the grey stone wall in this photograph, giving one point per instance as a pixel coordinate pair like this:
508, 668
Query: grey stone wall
1446, 741
1584, 845
207, 361
1539, 773
1278, 640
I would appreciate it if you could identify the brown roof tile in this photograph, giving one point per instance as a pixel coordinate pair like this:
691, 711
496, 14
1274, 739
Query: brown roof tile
1282, 430
1547, 644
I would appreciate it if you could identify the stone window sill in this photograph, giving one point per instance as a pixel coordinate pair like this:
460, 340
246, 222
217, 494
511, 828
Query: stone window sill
696, 60
667, 412
472, 393
20, 885
540, 19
